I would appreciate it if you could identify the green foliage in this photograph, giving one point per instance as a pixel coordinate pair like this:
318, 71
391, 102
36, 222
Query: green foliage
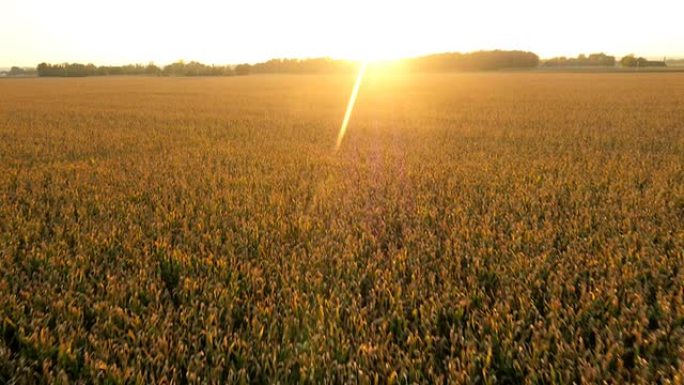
194, 68
474, 61
175, 69
593, 60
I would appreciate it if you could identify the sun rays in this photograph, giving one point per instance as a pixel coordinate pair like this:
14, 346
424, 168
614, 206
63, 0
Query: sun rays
350, 105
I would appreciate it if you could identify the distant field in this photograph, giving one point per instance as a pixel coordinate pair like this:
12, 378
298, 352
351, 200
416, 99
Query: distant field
473, 228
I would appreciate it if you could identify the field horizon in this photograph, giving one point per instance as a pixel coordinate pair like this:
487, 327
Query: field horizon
436, 62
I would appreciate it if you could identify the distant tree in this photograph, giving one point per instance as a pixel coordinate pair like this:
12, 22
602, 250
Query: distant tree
303, 66
175, 69
582, 60
43, 69
628, 61
152, 69
75, 70
179, 68
601, 59
242, 69
193, 69
19, 71
474, 61
16, 71
90, 69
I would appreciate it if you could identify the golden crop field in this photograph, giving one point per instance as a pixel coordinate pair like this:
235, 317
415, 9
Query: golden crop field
493, 228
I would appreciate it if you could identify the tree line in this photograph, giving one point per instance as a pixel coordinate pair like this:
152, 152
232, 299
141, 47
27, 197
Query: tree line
582, 60
602, 60
19, 71
301, 66
442, 62
475, 61
179, 68
481, 60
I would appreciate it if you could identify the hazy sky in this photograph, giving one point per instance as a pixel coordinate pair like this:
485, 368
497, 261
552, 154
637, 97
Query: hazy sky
221, 32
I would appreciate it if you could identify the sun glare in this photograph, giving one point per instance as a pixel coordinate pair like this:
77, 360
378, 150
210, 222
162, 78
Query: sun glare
350, 105
372, 54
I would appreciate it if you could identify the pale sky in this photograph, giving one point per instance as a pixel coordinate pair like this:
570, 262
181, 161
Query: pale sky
229, 32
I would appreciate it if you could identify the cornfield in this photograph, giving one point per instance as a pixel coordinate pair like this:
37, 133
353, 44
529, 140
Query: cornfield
493, 228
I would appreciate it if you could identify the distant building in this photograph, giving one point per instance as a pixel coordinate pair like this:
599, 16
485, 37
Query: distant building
652, 63
675, 62
640, 62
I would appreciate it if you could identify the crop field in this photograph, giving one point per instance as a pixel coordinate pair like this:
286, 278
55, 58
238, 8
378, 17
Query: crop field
485, 228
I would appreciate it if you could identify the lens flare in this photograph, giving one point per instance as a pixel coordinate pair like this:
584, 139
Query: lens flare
350, 105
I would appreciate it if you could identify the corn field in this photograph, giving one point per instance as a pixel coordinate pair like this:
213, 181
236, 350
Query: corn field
492, 228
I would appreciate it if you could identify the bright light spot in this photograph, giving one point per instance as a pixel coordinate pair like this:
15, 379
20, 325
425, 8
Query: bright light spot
350, 105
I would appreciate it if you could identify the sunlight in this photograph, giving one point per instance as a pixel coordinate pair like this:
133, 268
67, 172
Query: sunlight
372, 53
350, 105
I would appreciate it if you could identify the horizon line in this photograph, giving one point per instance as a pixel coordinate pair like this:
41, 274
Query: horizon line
332, 57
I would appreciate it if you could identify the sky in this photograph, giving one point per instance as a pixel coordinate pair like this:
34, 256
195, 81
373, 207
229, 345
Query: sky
230, 32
